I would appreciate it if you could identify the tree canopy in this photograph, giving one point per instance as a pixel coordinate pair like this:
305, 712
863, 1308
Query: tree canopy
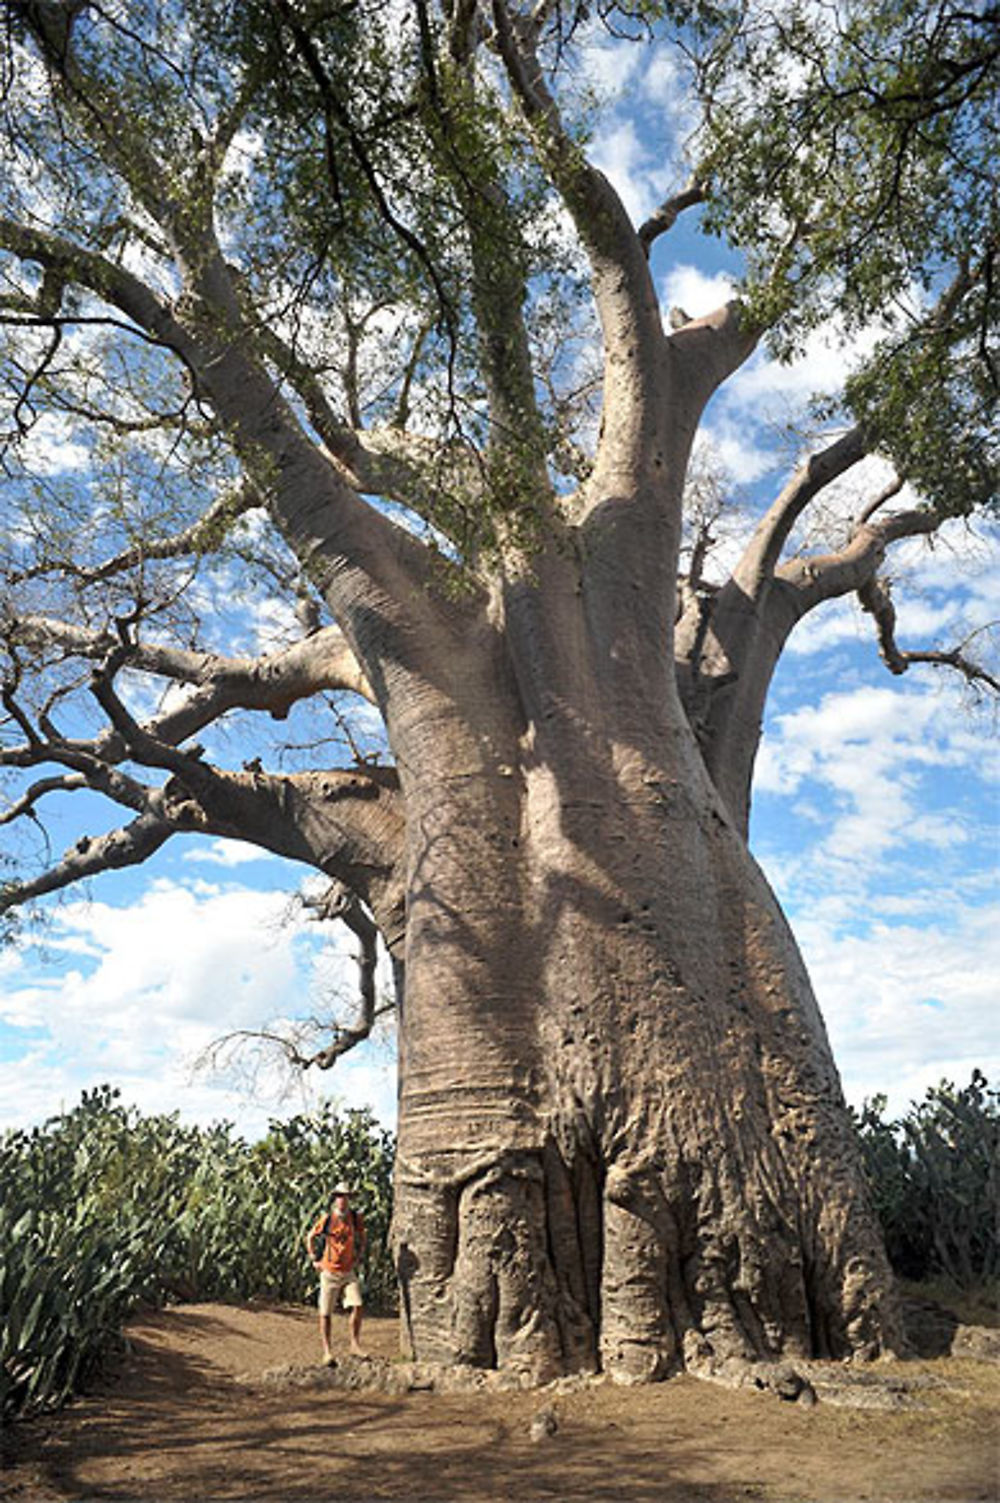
389, 213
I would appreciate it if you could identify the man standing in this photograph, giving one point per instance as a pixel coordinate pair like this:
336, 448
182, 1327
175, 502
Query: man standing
336, 1244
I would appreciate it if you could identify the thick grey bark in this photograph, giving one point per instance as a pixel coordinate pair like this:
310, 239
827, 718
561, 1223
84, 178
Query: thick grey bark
729, 639
622, 1138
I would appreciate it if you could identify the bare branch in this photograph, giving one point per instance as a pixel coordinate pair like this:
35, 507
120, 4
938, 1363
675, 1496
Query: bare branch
273, 683
826, 576
336, 902
21, 719
319, 511
44, 745
244, 396
141, 744
665, 217
201, 536
727, 670
129, 846
877, 502
25, 805
760, 558
876, 600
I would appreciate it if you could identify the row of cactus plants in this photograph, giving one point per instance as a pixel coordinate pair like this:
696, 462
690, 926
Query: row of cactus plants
103, 1210
935, 1180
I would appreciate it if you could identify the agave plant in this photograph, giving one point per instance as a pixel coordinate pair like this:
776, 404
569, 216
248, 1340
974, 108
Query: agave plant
102, 1210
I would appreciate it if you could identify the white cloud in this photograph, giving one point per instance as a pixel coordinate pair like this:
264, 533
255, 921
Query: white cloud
664, 85
868, 750
685, 286
878, 856
836, 622
907, 1005
869, 725
737, 451
609, 66
159, 981
827, 358
50, 447
622, 156
174, 954
227, 853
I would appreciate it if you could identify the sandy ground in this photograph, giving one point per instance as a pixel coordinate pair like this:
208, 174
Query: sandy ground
217, 1402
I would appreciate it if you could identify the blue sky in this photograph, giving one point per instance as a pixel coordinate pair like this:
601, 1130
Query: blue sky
875, 814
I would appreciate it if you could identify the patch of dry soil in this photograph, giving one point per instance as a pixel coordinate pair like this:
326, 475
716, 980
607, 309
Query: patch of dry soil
223, 1403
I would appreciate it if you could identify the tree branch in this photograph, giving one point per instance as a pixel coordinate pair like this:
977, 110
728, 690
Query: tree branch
47, 746
877, 502
876, 599
350, 550
266, 433
623, 289
153, 320
726, 671
826, 576
389, 462
51, 25
338, 902
663, 219
348, 823
760, 558
322, 662
70, 783
129, 846
200, 537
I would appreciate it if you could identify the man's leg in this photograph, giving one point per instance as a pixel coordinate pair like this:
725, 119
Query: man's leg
354, 1308
355, 1328
327, 1299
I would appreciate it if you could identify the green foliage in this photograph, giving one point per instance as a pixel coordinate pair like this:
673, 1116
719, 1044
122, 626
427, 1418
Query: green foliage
935, 1178
851, 154
102, 1209
363, 179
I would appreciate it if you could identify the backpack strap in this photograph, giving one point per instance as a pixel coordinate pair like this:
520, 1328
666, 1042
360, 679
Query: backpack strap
355, 1218
324, 1232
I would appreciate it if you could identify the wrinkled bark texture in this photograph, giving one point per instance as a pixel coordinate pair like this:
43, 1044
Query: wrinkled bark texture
623, 1143
622, 1140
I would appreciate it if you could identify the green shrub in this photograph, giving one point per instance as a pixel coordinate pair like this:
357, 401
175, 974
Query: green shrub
935, 1178
102, 1209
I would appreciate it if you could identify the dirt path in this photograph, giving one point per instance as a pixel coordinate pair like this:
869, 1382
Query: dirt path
199, 1412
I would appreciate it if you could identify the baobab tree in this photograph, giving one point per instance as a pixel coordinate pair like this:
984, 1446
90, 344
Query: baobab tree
308, 286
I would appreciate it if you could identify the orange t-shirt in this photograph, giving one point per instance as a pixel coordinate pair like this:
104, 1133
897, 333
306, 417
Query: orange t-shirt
341, 1241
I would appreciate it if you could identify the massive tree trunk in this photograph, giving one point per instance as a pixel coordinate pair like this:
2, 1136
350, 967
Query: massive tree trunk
622, 1140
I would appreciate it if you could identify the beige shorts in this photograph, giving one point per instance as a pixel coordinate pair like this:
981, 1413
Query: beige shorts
334, 1287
